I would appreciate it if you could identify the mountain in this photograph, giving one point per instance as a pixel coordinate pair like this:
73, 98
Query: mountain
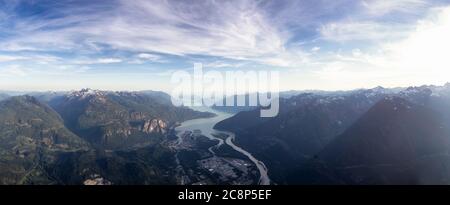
283, 95
119, 120
366, 136
150, 165
375, 136
395, 142
48, 96
30, 132
25, 116
3, 96
393, 131
305, 124
235, 108
158, 96
89, 137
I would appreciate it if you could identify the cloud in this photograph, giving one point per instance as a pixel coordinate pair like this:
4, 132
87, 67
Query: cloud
224, 64
148, 56
363, 42
376, 21
421, 57
98, 61
362, 30
382, 7
234, 30
12, 71
40, 59
108, 60
237, 30
7, 58
425, 51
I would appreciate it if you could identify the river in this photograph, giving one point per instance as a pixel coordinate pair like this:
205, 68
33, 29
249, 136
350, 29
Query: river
206, 126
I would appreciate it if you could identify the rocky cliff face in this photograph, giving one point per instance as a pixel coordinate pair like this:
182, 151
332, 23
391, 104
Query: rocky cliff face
154, 125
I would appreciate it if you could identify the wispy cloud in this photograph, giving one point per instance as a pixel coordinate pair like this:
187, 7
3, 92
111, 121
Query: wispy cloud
148, 56
343, 39
12, 71
382, 7
362, 30
35, 58
224, 64
419, 58
98, 61
7, 58
238, 31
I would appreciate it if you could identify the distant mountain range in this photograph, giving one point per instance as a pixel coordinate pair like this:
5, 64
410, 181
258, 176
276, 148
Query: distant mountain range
374, 136
365, 136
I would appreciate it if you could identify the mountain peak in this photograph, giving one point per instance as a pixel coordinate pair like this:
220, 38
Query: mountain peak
86, 92
378, 88
447, 85
416, 90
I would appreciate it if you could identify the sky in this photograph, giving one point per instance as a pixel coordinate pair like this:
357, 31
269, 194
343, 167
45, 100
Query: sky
138, 44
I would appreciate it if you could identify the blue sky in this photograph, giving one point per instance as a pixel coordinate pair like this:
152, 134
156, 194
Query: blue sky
136, 45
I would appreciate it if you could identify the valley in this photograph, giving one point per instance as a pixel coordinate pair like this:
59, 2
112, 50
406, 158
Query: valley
91, 137
228, 167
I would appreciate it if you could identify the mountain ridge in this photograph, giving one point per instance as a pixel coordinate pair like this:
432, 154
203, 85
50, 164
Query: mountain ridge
330, 115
